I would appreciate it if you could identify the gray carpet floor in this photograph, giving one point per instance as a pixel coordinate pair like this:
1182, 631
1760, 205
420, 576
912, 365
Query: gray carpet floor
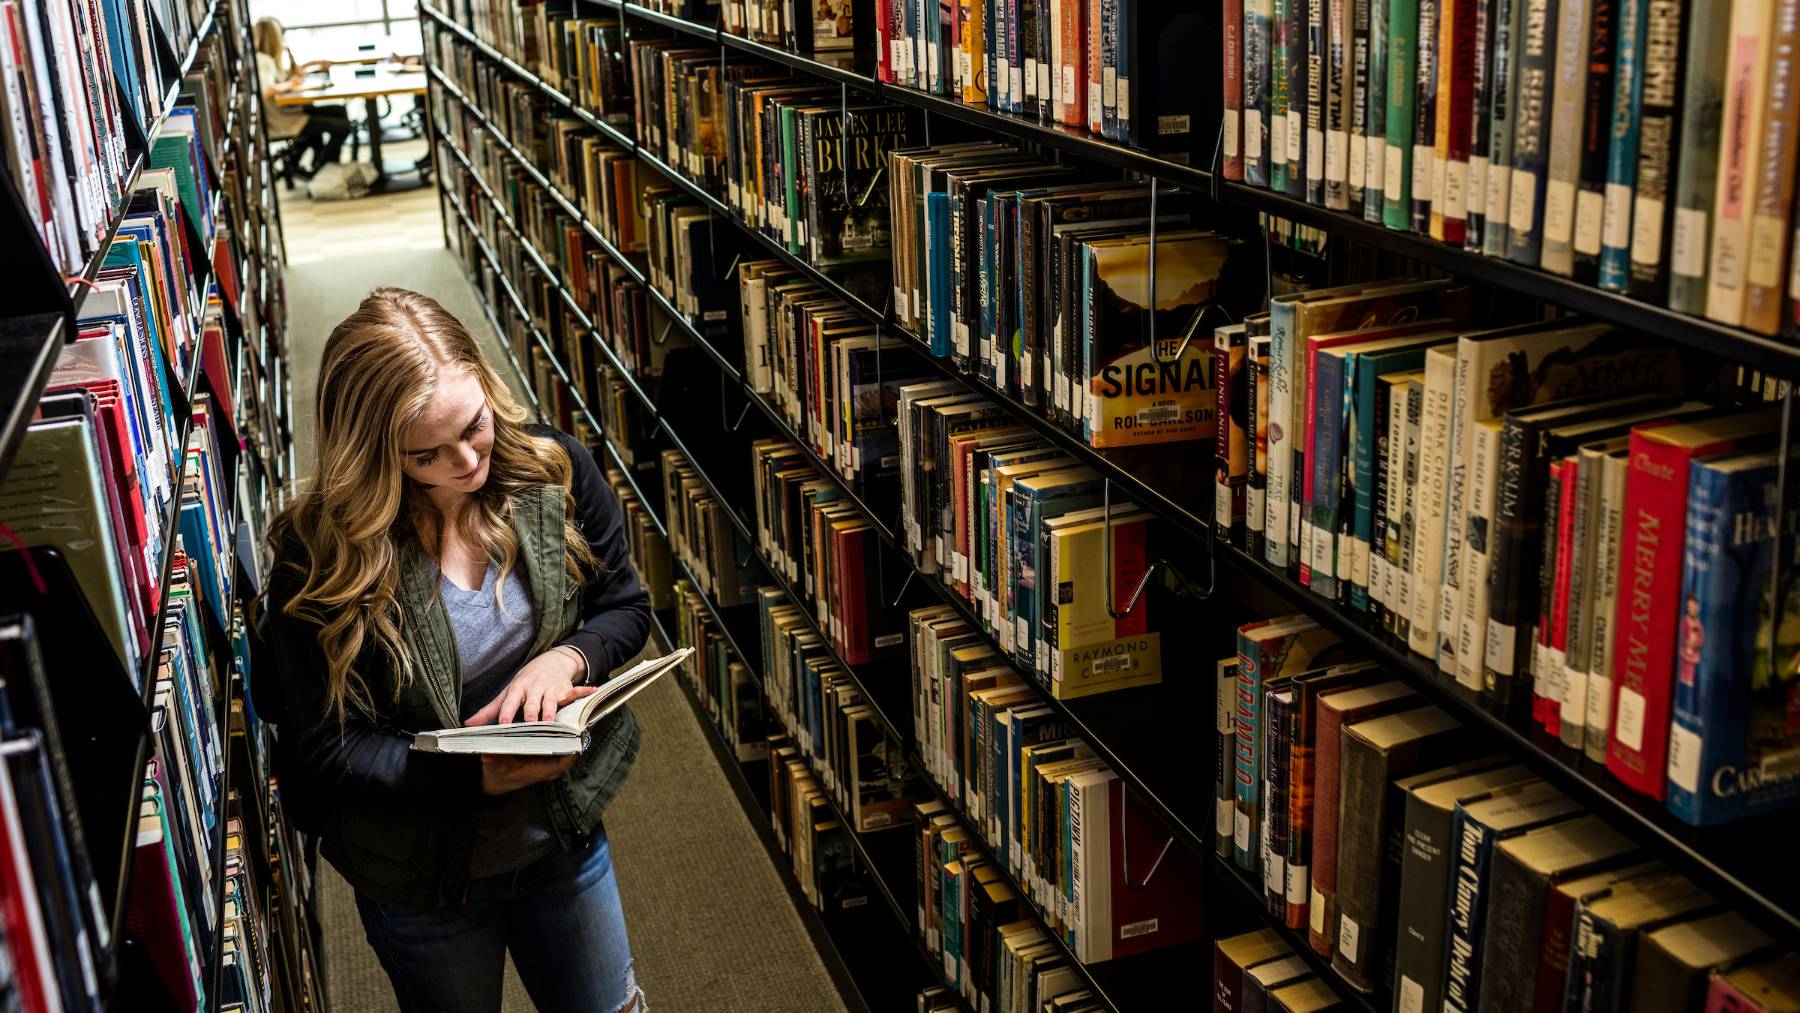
712, 927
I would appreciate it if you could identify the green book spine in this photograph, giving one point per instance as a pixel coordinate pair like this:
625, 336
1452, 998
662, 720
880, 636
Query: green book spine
1403, 39
1696, 172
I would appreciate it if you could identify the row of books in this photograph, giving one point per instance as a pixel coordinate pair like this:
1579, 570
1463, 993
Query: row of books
1504, 893
1026, 274
817, 27
994, 957
808, 829
823, 545
1025, 535
1256, 970
649, 547
721, 681
703, 536
1053, 816
832, 726
1511, 501
825, 369
79, 75
173, 909
1646, 148
53, 933
1119, 69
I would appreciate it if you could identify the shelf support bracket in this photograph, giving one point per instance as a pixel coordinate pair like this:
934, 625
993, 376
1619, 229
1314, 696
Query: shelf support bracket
739, 424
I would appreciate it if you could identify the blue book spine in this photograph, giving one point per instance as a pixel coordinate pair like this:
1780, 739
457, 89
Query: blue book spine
1622, 153
1257, 40
1731, 748
1474, 845
1531, 130
1325, 453
937, 264
1111, 47
1249, 708
984, 344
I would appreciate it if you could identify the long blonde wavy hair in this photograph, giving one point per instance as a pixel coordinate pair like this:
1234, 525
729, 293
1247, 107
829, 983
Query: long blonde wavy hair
381, 367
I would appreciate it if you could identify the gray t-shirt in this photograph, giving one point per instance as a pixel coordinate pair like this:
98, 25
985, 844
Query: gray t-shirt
491, 643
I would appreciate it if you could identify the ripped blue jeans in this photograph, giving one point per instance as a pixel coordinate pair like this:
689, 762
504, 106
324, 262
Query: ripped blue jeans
559, 917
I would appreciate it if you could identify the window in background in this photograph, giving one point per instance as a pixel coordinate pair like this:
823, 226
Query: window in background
333, 29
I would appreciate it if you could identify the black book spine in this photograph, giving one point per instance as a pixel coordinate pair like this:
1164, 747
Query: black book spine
1359, 103
1278, 719
1659, 139
1596, 139
1510, 940
1514, 529
1481, 71
1599, 964
1299, 69
1424, 899
1031, 338
1224, 781
1363, 779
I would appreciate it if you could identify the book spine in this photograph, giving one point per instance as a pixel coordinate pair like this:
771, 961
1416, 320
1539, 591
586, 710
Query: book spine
1597, 104
1299, 72
1249, 723
1278, 726
1363, 785
1256, 445
1480, 106
1554, 663
1256, 91
1473, 845
1555, 934
1774, 194
1233, 33
1622, 153
1655, 511
1600, 962
1281, 29
1425, 87
1225, 788
1339, 92
1709, 45
1321, 921
1428, 513
1375, 157
1359, 104
1609, 521
1302, 752
1660, 132
1230, 436
1537, 61
1510, 937
1396, 175
1503, 87
1394, 523
1409, 510
1740, 152
1367, 480
1455, 111
1572, 723
1544, 575
1325, 381
1511, 533
1569, 102
1426, 863
1318, 69
1281, 438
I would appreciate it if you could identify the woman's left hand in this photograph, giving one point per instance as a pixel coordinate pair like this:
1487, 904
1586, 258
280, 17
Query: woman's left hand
545, 684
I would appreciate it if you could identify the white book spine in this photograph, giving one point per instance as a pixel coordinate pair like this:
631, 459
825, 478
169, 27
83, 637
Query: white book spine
1281, 436
1428, 506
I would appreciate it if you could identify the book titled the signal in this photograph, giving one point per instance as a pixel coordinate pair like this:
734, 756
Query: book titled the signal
564, 735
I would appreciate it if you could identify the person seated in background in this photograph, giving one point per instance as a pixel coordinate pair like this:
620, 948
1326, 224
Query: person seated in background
320, 129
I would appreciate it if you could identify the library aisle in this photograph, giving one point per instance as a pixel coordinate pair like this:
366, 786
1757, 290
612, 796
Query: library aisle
712, 926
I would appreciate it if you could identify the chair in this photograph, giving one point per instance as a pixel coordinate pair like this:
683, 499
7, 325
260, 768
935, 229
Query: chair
284, 156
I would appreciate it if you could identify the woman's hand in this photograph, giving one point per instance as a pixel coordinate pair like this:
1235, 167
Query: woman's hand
502, 774
545, 685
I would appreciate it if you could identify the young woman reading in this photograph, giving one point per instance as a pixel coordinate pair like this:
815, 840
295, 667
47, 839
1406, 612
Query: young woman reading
449, 565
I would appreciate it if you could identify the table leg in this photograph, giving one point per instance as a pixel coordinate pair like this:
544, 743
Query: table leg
373, 106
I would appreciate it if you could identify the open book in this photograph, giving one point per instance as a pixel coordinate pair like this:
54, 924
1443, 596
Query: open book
563, 735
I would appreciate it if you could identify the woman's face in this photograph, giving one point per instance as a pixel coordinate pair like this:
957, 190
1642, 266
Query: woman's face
448, 447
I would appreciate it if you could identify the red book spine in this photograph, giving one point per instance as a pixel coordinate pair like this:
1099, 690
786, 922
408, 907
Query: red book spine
1553, 951
1656, 487
1074, 98
1160, 905
1460, 103
1557, 636
1091, 108
1128, 558
1234, 89
1322, 909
